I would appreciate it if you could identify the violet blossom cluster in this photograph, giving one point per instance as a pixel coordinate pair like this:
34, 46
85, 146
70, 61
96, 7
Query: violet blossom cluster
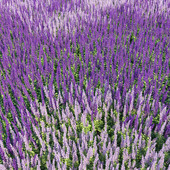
84, 85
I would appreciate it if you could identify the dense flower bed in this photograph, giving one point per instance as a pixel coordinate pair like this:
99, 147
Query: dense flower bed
84, 85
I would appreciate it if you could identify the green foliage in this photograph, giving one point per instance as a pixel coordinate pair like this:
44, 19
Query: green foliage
156, 119
159, 142
68, 163
43, 160
76, 164
90, 166
79, 127
99, 124
87, 129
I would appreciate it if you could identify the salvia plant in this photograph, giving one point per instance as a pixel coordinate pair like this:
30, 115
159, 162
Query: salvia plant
84, 84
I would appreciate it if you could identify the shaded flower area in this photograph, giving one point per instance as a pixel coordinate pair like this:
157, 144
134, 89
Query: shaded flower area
84, 85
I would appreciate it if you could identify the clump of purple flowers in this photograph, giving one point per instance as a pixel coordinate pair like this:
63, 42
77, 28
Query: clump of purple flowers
84, 85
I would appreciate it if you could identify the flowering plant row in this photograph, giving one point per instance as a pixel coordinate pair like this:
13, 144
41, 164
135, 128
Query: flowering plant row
84, 85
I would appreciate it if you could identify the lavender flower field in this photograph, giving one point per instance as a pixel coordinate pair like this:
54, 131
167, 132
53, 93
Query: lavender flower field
84, 85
